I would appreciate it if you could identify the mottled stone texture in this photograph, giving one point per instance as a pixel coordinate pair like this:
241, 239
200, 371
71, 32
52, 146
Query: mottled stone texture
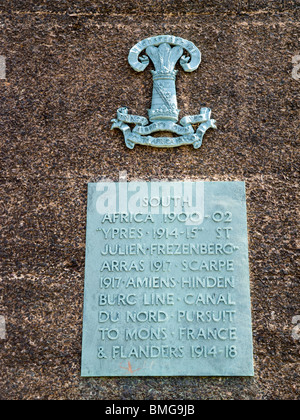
67, 73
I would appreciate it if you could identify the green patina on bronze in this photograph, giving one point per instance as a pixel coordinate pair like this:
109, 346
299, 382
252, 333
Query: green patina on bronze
164, 51
167, 280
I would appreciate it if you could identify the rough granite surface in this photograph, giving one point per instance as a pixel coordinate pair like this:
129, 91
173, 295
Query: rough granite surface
67, 73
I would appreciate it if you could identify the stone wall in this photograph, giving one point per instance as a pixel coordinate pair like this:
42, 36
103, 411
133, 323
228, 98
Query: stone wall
67, 73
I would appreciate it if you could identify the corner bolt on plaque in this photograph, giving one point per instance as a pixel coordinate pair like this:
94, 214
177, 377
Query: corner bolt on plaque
164, 51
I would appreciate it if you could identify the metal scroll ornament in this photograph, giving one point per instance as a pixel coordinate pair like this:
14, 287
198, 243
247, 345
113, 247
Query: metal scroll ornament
164, 51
